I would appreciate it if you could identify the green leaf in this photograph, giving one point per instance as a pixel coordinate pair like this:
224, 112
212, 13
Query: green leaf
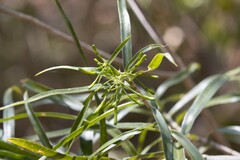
232, 133
126, 145
36, 124
156, 61
8, 126
190, 148
190, 95
41, 114
117, 50
165, 131
170, 58
87, 70
221, 157
115, 142
86, 142
12, 155
71, 29
150, 155
64, 100
224, 99
15, 149
53, 93
140, 54
201, 101
178, 152
125, 30
36, 148
179, 77
91, 122
79, 120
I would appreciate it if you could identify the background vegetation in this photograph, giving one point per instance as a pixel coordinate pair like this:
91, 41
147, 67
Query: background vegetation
206, 32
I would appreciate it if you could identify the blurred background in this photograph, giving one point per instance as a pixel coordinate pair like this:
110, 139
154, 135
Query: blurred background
203, 31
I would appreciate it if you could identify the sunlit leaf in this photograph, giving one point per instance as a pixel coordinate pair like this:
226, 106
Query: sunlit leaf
156, 61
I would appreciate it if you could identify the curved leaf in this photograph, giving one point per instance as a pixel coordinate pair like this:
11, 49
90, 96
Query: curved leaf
191, 149
190, 95
179, 77
115, 142
165, 131
52, 93
64, 100
91, 122
201, 101
87, 70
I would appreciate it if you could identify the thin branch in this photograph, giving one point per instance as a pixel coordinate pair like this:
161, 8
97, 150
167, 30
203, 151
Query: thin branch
55, 32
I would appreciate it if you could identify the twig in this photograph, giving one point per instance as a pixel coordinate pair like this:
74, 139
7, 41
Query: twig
49, 29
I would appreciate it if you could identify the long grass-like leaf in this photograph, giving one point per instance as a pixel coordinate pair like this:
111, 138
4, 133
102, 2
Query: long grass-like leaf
15, 149
151, 155
40, 114
201, 101
12, 155
36, 124
224, 99
221, 157
125, 30
117, 50
87, 70
190, 95
115, 142
36, 148
79, 120
71, 29
126, 145
165, 131
176, 79
64, 100
91, 123
8, 126
232, 133
53, 93
190, 148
